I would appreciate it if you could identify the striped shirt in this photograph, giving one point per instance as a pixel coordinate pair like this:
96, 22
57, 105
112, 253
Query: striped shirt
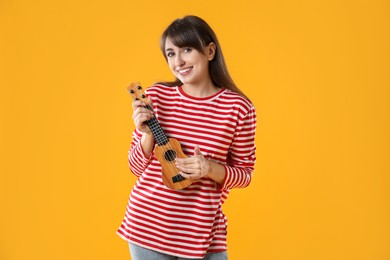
190, 222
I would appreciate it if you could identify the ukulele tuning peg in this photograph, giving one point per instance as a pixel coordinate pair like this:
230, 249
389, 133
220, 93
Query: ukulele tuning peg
136, 98
132, 91
139, 87
143, 96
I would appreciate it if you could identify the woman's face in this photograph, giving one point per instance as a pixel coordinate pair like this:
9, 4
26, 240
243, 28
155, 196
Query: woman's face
190, 66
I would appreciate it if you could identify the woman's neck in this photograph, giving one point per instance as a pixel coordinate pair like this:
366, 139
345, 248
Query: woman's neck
204, 89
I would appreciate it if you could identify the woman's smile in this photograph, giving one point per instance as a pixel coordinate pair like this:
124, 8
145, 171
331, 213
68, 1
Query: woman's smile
185, 71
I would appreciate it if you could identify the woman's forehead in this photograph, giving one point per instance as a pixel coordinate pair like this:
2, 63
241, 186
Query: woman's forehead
180, 41
170, 45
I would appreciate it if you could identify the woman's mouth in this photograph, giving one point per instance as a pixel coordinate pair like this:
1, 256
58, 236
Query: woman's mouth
185, 71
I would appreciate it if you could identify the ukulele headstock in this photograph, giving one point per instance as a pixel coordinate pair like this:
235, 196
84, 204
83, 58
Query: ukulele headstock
136, 92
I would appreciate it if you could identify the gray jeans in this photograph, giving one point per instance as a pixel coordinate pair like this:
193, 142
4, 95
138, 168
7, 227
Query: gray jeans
140, 253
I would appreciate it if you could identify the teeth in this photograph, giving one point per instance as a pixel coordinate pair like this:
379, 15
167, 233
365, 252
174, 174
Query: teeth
184, 70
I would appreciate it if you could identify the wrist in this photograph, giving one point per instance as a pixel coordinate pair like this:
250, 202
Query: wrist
147, 144
216, 171
148, 136
210, 167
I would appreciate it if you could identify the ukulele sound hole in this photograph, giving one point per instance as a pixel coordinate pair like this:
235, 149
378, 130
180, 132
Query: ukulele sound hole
170, 155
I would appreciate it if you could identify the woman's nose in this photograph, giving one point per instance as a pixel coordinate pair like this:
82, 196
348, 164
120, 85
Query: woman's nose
179, 61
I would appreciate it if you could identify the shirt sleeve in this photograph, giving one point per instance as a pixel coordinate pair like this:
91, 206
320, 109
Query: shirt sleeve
136, 157
242, 153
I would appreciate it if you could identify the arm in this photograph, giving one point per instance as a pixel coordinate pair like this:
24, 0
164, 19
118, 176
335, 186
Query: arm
137, 157
242, 154
141, 148
237, 173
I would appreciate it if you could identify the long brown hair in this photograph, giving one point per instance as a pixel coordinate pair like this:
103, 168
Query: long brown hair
193, 31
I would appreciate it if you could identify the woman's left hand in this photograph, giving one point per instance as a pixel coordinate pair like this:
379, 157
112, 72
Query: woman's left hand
195, 167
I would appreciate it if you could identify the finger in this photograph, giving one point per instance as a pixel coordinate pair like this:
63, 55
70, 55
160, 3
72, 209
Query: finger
197, 150
141, 107
143, 127
183, 160
141, 117
149, 102
190, 170
137, 104
146, 115
187, 160
140, 122
189, 175
140, 111
190, 163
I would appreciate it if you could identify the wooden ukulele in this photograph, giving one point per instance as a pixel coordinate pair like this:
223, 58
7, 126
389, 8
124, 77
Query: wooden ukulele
166, 150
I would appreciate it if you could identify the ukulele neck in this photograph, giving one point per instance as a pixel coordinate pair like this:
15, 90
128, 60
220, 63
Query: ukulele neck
157, 131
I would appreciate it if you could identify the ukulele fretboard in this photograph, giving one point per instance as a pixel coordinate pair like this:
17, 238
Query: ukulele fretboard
157, 131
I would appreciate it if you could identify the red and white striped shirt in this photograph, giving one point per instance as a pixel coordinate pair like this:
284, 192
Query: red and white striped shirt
190, 223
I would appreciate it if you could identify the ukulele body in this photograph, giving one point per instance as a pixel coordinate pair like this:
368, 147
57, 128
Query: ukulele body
166, 155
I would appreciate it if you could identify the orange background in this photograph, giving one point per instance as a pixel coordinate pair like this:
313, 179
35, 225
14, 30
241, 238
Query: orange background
317, 72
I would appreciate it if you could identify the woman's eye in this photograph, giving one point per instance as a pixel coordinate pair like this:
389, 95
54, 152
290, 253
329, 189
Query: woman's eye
170, 54
187, 49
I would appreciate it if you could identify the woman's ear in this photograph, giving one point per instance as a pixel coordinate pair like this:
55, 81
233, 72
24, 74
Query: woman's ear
210, 51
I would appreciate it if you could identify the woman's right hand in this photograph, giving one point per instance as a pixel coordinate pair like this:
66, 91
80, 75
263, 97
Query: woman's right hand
141, 114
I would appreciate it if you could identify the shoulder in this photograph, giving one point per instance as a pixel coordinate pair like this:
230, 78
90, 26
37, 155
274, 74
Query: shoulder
243, 108
237, 100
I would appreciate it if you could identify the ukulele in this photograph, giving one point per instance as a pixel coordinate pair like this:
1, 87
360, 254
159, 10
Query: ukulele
166, 150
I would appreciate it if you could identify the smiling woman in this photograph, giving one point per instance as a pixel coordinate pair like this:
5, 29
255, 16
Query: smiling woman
193, 33
215, 125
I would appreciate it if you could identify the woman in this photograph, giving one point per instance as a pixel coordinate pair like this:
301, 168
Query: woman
215, 124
